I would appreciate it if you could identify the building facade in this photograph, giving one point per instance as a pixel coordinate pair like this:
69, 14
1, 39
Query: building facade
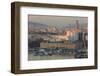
57, 45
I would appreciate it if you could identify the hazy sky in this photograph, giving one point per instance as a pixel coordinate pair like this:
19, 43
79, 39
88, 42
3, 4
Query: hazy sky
57, 20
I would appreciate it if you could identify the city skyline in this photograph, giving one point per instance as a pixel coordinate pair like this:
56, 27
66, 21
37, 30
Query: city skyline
57, 37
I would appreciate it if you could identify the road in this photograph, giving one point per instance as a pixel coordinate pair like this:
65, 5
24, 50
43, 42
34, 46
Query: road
53, 57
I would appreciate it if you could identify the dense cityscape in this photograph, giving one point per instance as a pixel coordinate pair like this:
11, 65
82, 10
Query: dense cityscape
46, 42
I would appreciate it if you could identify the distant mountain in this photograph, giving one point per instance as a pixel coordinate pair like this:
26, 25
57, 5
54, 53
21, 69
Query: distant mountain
37, 25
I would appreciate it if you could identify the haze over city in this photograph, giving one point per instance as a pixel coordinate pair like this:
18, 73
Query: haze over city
57, 37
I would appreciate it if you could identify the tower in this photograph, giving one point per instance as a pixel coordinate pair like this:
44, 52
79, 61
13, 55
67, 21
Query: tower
77, 24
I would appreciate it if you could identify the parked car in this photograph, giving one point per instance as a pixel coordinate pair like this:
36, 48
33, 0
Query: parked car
81, 54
